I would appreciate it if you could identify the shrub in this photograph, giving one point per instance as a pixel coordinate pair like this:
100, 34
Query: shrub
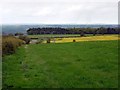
40, 41
74, 40
10, 44
10, 34
82, 34
48, 40
37, 42
25, 38
18, 34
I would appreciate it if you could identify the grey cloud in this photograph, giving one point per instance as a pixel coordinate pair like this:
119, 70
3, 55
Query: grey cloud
60, 11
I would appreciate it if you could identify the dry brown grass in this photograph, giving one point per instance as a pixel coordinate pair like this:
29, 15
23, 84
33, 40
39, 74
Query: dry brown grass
10, 44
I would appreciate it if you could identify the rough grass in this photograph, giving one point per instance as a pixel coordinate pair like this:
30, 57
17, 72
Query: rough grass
64, 65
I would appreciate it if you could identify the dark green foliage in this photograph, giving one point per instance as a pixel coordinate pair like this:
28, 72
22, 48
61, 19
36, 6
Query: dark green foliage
101, 30
25, 38
82, 34
95, 32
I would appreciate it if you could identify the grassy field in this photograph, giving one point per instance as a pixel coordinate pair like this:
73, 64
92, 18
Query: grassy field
52, 35
77, 39
63, 65
63, 35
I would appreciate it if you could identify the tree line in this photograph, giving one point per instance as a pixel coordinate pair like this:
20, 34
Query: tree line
94, 31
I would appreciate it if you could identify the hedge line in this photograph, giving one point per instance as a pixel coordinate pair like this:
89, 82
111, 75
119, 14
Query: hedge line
10, 44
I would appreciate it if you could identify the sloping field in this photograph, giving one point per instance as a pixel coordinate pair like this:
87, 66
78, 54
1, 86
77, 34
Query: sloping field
63, 65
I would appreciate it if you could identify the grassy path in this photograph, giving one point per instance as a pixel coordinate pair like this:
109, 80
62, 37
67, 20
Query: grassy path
63, 65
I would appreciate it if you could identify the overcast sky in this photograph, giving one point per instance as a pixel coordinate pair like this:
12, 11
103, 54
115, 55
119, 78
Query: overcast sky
59, 11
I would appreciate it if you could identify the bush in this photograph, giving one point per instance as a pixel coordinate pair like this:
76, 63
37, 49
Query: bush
48, 40
10, 44
25, 38
74, 40
82, 34
18, 34
40, 41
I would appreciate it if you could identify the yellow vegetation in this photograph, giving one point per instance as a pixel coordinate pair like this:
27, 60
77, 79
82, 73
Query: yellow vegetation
91, 38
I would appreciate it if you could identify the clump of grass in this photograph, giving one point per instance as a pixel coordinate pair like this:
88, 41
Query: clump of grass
10, 44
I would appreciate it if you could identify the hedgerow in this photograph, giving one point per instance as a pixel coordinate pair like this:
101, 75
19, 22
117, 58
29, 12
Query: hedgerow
10, 44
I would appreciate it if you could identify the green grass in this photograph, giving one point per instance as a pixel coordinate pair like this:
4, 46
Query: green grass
63, 35
65, 65
53, 35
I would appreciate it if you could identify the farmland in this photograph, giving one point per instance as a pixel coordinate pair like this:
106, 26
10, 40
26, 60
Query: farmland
53, 35
92, 64
88, 38
76, 37
64, 35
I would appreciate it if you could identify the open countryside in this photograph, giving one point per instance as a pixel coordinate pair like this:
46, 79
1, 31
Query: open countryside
59, 44
77, 38
61, 58
64, 64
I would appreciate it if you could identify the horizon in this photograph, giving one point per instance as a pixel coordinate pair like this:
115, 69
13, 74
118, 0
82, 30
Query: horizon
55, 24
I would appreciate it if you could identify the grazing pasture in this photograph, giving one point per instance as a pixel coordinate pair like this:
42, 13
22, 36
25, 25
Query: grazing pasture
92, 64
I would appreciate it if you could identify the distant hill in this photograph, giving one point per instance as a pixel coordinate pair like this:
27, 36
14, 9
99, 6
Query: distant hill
23, 28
